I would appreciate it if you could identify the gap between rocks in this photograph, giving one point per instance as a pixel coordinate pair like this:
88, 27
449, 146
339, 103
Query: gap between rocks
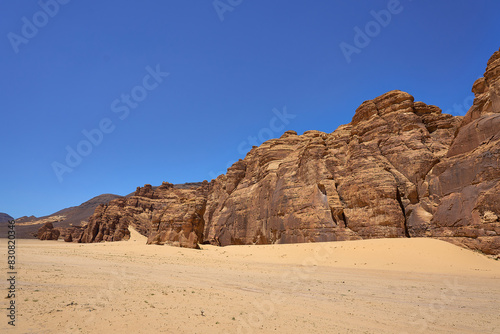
398, 197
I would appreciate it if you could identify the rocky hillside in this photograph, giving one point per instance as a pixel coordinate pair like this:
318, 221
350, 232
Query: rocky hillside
4, 218
400, 169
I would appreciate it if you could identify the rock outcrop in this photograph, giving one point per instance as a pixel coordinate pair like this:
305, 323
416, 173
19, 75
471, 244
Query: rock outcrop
464, 187
166, 214
400, 169
356, 182
72, 234
48, 232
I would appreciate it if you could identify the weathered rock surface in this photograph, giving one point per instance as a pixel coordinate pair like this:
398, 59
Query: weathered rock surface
68, 238
400, 169
166, 214
72, 234
48, 232
464, 187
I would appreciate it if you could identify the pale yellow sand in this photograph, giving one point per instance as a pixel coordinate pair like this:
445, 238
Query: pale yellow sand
370, 286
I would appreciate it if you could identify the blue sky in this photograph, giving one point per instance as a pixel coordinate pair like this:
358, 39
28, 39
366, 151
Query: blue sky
237, 74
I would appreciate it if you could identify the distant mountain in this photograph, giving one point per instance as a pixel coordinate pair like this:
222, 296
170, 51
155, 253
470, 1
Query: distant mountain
5, 217
24, 219
26, 227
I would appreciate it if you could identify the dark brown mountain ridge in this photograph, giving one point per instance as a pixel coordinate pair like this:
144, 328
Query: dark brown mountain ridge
5, 217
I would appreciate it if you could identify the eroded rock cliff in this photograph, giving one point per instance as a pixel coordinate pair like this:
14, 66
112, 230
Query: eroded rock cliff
400, 169
166, 214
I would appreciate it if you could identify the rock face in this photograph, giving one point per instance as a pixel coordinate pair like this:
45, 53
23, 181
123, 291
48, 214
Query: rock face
356, 182
72, 234
400, 169
464, 187
166, 214
179, 221
48, 232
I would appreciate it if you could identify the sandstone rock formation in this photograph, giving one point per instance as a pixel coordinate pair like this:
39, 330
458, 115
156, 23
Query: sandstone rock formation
48, 232
400, 169
72, 234
166, 214
464, 187
353, 183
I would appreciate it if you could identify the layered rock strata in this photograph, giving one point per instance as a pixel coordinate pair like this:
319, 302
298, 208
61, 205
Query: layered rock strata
400, 169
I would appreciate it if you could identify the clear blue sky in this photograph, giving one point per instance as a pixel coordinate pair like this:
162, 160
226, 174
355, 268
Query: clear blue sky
77, 69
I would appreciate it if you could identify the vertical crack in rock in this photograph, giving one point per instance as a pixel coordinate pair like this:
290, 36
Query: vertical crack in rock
201, 227
345, 220
341, 199
322, 188
398, 197
337, 214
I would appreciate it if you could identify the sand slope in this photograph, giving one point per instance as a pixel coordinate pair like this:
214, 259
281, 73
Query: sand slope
369, 286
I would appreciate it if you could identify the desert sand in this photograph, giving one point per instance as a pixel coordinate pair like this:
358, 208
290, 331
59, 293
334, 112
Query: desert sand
369, 286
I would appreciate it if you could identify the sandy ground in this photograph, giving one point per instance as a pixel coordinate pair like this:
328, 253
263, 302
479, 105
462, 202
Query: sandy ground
370, 286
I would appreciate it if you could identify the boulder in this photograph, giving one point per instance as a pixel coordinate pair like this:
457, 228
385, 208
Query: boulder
48, 232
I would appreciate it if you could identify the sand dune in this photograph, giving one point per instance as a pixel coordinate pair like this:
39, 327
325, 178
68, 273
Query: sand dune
369, 286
